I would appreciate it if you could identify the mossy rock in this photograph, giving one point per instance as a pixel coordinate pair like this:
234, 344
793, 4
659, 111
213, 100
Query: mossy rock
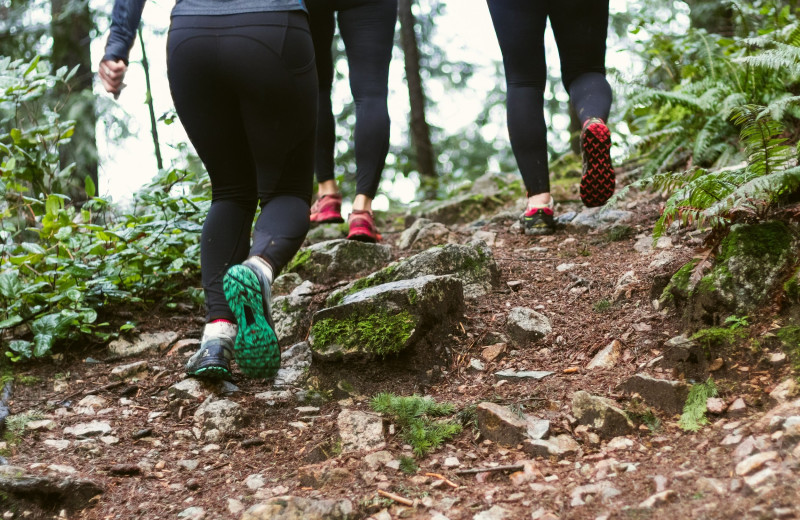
751, 262
386, 319
472, 263
791, 288
461, 209
336, 260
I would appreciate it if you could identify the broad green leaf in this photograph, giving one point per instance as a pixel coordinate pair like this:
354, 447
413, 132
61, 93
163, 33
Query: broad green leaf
10, 322
10, 285
91, 189
21, 347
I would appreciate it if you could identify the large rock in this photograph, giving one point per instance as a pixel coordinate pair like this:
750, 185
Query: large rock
608, 357
751, 261
288, 312
360, 431
300, 508
525, 325
337, 260
385, 319
295, 362
685, 357
51, 491
145, 344
218, 418
558, 446
473, 264
424, 233
663, 394
602, 414
598, 219
460, 209
499, 424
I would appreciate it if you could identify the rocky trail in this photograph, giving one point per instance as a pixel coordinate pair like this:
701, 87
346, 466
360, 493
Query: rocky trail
567, 368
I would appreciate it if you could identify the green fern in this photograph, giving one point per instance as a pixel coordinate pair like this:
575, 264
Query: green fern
694, 411
413, 415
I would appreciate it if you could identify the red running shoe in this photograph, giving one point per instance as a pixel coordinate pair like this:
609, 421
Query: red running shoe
597, 182
327, 209
362, 227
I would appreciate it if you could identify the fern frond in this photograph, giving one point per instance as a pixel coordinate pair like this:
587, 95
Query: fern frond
760, 135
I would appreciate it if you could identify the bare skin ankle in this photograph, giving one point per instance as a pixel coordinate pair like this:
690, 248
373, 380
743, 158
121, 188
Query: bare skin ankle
362, 203
327, 188
539, 200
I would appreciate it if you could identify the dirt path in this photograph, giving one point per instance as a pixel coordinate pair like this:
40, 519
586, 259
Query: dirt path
150, 461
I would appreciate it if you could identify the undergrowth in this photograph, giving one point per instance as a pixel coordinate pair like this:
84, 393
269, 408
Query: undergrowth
694, 411
414, 415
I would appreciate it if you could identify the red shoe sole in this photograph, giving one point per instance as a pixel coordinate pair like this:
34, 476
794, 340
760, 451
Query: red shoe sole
598, 180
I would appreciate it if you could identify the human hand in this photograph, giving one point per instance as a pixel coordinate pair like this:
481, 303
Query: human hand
111, 75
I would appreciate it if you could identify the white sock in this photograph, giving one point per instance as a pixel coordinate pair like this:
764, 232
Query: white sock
256, 262
219, 329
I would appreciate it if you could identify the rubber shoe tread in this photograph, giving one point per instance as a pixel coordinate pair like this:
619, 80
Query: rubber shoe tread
256, 347
598, 181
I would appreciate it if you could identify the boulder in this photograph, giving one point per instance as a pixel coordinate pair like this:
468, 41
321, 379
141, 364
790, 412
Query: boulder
386, 319
337, 260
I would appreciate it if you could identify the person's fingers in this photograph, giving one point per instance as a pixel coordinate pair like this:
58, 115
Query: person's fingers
111, 74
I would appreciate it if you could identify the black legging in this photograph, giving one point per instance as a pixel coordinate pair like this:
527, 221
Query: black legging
580, 28
245, 88
367, 28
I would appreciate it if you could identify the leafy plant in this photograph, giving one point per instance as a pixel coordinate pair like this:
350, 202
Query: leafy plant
689, 149
414, 416
60, 264
408, 465
723, 336
694, 411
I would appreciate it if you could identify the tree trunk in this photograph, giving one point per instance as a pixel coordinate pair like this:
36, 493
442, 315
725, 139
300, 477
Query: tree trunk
420, 132
712, 15
71, 28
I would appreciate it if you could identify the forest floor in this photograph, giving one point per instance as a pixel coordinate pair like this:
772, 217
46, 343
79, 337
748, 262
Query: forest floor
172, 474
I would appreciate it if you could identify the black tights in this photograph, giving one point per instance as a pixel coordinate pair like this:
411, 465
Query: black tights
580, 28
367, 28
245, 88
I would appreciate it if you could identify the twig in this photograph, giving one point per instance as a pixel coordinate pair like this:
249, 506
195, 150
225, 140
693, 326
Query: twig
443, 478
510, 467
396, 498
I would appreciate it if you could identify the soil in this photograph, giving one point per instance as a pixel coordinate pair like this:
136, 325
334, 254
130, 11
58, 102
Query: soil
584, 317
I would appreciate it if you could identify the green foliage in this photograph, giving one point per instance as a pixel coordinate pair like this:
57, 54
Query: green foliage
601, 305
687, 120
59, 264
414, 416
790, 338
15, 425
694, 411
718, 337
408, 465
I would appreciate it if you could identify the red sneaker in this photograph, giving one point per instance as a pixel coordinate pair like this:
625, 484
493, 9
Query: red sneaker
362, 227
597, 182
327, 209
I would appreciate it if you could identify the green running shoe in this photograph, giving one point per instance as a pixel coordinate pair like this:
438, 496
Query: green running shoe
256, 348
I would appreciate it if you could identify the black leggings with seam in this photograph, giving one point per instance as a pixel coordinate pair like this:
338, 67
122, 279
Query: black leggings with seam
580, 28
245, 89
367, 29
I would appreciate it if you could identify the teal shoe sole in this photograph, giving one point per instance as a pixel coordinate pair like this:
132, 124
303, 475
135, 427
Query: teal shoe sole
213, 373
256, 348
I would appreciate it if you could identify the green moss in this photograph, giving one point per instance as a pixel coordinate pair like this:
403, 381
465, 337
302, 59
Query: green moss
790, 337
601, 306
679, 282
27, 380
792, 287
412, 296
768, 240
379, 333
621, 232
381, 277
300, 259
